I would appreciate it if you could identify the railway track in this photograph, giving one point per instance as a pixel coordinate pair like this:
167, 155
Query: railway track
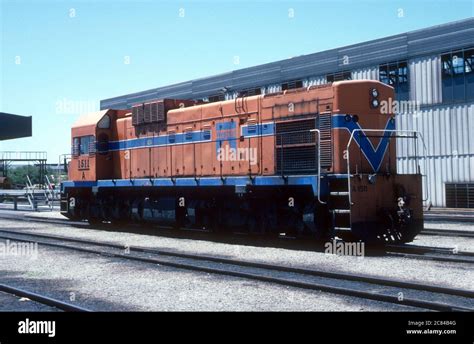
43, 299
448, 232
426, 231
409, 251
456, 215
388, 289
442, 254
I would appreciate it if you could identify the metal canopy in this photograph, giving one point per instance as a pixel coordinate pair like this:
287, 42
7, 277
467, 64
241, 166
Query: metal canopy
14, 126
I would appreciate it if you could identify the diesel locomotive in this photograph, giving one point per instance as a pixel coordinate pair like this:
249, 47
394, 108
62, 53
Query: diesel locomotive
318, 161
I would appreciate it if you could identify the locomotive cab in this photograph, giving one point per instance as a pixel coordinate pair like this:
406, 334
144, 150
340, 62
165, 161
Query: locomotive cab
91, 158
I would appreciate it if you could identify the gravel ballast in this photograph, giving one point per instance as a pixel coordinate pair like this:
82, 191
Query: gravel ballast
112, 284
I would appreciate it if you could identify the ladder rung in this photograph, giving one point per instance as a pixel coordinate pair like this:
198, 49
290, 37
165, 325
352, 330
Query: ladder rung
341, 211
339, 193
342, 229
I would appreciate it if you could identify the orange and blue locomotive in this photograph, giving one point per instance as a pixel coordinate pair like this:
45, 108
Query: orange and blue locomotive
318, 161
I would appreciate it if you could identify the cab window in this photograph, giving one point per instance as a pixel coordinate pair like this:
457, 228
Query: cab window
84, 145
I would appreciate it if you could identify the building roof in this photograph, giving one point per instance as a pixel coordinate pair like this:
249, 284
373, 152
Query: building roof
432, 40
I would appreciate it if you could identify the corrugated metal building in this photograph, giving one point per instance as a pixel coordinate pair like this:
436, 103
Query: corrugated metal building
431, 69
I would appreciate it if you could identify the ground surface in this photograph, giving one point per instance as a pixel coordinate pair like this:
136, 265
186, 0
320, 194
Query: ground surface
107, 283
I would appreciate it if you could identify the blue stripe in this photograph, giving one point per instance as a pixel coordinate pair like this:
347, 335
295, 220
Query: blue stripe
81, 184
262, 129
192, 137
162, 140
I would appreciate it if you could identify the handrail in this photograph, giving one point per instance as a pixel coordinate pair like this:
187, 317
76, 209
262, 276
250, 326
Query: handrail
319, 164
30, 193
64, 158
50, 192
414, 132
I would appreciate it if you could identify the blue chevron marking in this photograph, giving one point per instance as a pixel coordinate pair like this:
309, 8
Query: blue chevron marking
373, 155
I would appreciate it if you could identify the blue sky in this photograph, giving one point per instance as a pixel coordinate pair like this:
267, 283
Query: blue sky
59, 58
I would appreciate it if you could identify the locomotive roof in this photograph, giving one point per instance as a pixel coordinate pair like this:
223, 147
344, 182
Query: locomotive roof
90, 119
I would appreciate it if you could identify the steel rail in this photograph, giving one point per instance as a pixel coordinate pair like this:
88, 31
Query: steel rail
45, 300
448, 232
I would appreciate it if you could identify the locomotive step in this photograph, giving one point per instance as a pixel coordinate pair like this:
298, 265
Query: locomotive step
341, 211
339, 193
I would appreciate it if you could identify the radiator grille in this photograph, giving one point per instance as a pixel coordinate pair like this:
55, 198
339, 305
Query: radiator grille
291, 126
459, 195
295, 132
297, 160
296, 147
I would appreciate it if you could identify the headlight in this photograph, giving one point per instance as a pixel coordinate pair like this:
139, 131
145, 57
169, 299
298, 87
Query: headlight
375, 93
375, 103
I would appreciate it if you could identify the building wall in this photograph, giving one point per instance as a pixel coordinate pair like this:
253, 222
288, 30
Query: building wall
425, 79
447, 132
371, 73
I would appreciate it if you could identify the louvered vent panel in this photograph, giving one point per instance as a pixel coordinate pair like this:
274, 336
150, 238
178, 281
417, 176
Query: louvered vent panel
325, 128
147, 113
160, 111
154, 112
138, 115
135, 115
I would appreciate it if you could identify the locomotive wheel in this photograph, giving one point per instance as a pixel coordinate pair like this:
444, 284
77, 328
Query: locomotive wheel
411, 231
396, 231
